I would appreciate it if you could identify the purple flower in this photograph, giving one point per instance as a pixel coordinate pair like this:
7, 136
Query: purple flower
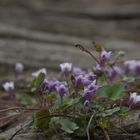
36, 74
9, 87
44, 85
79, 81
113, 72
19, 67
77, 71
90, 76
66, 68
48, 85
88, 94
61, 89
86, 81
133, 99
98, 68
52, 85
90, 90
93, 86
104, 56
138, 67
130, 66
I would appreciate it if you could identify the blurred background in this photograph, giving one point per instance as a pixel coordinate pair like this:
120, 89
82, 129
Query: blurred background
42, 33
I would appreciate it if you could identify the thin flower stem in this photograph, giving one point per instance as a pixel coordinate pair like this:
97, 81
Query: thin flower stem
67, 80
88, 126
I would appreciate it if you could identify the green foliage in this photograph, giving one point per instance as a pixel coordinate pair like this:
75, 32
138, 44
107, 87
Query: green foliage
79, 120
128, 79
66, 125
110, 112
113, 92
70, 101
25, 99
42, 119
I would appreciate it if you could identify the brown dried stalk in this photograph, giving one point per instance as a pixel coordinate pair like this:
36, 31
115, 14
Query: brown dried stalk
82, 48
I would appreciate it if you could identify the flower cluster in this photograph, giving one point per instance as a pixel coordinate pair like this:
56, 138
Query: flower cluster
72, 100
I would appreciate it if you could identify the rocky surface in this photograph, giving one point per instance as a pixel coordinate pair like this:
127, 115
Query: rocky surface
43, 33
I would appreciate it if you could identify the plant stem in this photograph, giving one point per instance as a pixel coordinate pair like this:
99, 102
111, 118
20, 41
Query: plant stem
87, 51
106, 134
17, 108
88, 126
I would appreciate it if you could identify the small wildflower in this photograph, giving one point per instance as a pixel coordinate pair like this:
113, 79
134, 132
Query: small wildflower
98, 69
19, 67
90, 76
88, 94
90, 90
113, 72
133, 99
61, 89
104, 56
77, 71
52, 85
9, 87
66, 68
138, 67
81, 81
44, 85
36, 74
130, 66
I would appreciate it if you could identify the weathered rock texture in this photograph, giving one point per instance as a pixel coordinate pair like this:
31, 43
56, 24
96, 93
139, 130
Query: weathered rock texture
43, 32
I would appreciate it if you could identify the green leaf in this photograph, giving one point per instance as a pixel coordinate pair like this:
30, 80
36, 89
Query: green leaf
25, 99
51, 97
110, 112
124, 111
128, 79
80, 120
42, 119
69, 100
66, 124
37, 82
113, 92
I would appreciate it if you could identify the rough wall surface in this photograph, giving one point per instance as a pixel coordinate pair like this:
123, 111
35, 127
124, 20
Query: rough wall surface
43, 32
